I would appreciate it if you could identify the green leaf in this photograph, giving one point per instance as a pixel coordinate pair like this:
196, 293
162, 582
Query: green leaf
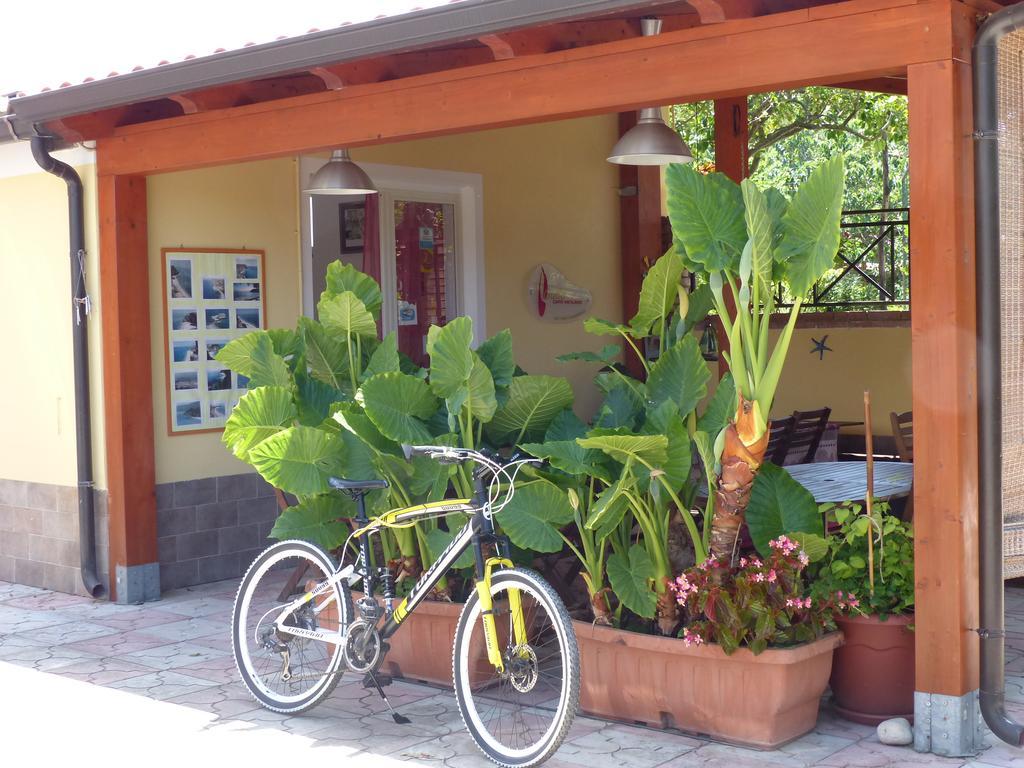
534, 515
298, 459
384, 358
761, 229
268, 368
533, 403
618, 409
706, 452
354, 419
451, 358
810, 227
286, 342
607, 355
314, 519
438, 540
600, 327
720, 409
343, 314
496, 353
569, 456
566, 426
398, 405
814, 545
701, 301
326, 357
259, 414
706, 212
658, 294
779, 505
650, 449
480, 392
344, 277
237, 354
680, 376
316, 401
610, 506
665, 420
631, 579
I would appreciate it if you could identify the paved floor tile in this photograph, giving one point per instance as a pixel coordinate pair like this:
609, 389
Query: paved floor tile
174, 655
161, 685
103, 671
14, 621
624, 747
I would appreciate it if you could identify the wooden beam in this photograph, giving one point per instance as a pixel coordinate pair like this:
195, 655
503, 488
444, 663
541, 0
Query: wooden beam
791, 49
500, 47
893, 84
639, 231
710, 11
127, 378
945, 404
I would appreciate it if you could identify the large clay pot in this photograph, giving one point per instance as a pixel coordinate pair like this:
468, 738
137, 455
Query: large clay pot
873, 674
761, 701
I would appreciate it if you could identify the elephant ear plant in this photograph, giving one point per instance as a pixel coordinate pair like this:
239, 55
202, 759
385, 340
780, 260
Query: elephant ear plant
742, 242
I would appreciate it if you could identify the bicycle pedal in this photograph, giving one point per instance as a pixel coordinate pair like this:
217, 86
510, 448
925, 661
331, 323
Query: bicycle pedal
382, 680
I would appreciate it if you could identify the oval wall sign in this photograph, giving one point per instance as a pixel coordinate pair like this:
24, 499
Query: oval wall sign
553, 297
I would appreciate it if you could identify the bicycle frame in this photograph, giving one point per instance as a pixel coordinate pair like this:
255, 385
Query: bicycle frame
479, 530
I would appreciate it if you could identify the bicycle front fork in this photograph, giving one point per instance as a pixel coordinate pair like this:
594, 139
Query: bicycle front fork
515, 604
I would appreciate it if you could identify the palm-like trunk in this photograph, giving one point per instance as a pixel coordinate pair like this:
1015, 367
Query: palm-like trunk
667, 611
741, 458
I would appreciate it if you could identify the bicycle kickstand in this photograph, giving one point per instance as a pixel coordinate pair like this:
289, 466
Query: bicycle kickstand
400, 719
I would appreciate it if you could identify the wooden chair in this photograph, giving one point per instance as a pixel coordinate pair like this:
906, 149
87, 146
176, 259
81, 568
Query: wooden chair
903, 432
808, 429
779, 434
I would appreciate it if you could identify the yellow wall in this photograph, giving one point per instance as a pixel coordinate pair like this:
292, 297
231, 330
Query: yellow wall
877, 359
36, 372
252, 205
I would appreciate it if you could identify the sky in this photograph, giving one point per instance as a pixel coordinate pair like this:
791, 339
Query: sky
47, 43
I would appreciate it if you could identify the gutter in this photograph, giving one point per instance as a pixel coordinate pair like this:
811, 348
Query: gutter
992, 694
80, 344
455, 22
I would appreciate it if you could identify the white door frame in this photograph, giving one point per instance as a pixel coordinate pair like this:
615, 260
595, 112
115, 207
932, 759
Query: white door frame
419, 183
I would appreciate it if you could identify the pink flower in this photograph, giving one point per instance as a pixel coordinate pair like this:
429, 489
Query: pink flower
691, 638
772, 576
756, 563
791, 603
804, 559
743, 562
758, 577
807, 603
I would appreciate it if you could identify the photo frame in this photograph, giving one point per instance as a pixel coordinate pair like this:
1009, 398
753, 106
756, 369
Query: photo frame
352, 218
210, 296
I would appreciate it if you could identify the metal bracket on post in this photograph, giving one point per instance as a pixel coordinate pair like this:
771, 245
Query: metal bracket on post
948, 725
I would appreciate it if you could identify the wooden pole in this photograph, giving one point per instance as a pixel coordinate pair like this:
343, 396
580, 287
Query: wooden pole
869, 451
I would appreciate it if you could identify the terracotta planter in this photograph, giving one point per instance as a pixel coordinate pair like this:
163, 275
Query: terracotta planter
873, 674
760, 701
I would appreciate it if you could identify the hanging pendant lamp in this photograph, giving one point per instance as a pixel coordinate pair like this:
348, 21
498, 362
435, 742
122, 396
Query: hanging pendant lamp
340, 176
650, 141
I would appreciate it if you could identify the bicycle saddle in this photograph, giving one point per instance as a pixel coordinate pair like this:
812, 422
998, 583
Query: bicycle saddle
341, 484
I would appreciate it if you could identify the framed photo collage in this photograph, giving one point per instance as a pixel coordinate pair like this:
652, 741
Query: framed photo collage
210, 297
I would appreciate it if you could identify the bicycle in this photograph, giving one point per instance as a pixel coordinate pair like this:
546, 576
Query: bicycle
515, 662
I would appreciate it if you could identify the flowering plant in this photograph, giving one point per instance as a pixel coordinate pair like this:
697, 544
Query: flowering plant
756, 603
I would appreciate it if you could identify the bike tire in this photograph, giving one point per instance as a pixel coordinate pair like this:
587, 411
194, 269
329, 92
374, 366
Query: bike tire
488, 701
257, 605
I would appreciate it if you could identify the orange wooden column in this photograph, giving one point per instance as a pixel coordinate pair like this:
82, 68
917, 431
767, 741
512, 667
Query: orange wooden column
640, 229
128, 388
732, 147
945, 403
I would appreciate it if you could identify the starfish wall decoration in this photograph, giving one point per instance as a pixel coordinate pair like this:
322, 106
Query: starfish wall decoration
821, 347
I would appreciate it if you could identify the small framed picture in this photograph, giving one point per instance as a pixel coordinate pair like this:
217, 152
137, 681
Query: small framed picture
241, 381
186, 380
248, 319
218, 380
353, 221
218, 410
213, 346
186, 351
246, 291
218, 319
247, 267
184, 319
179, 278
214, 288
188, 413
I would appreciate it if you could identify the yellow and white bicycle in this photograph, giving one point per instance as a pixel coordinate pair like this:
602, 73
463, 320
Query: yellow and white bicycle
515, 662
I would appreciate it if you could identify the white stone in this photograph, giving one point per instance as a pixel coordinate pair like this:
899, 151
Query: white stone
896, 732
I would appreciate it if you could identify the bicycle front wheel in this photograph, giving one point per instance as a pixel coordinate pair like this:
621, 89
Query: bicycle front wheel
519, 716
284, 672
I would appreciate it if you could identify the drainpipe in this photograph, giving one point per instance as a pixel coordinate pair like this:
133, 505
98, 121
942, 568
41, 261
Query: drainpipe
80, 343
990, 417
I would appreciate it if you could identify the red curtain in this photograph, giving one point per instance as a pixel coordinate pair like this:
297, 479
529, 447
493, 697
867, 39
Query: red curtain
371, 237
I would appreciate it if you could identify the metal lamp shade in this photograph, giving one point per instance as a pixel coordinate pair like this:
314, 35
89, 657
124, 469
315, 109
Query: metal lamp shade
340, 176
650, 142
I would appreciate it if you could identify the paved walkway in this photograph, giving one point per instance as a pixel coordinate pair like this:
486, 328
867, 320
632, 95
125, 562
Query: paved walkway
98, 683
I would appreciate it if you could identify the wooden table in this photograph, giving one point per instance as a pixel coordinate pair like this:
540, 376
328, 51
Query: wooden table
847, 480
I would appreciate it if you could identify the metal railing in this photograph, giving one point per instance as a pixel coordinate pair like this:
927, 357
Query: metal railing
872, 268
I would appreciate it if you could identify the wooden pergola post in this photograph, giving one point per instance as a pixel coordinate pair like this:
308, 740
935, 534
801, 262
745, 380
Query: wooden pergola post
944, 399
128, 388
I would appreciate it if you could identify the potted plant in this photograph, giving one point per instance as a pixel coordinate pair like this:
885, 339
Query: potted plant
330, 398
750, 666
873, 674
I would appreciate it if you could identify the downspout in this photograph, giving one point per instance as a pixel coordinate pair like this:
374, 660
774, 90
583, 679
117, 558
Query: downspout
80, 344
986, 211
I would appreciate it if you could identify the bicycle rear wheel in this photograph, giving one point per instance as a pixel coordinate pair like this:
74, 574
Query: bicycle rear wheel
283, 672
520, 716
